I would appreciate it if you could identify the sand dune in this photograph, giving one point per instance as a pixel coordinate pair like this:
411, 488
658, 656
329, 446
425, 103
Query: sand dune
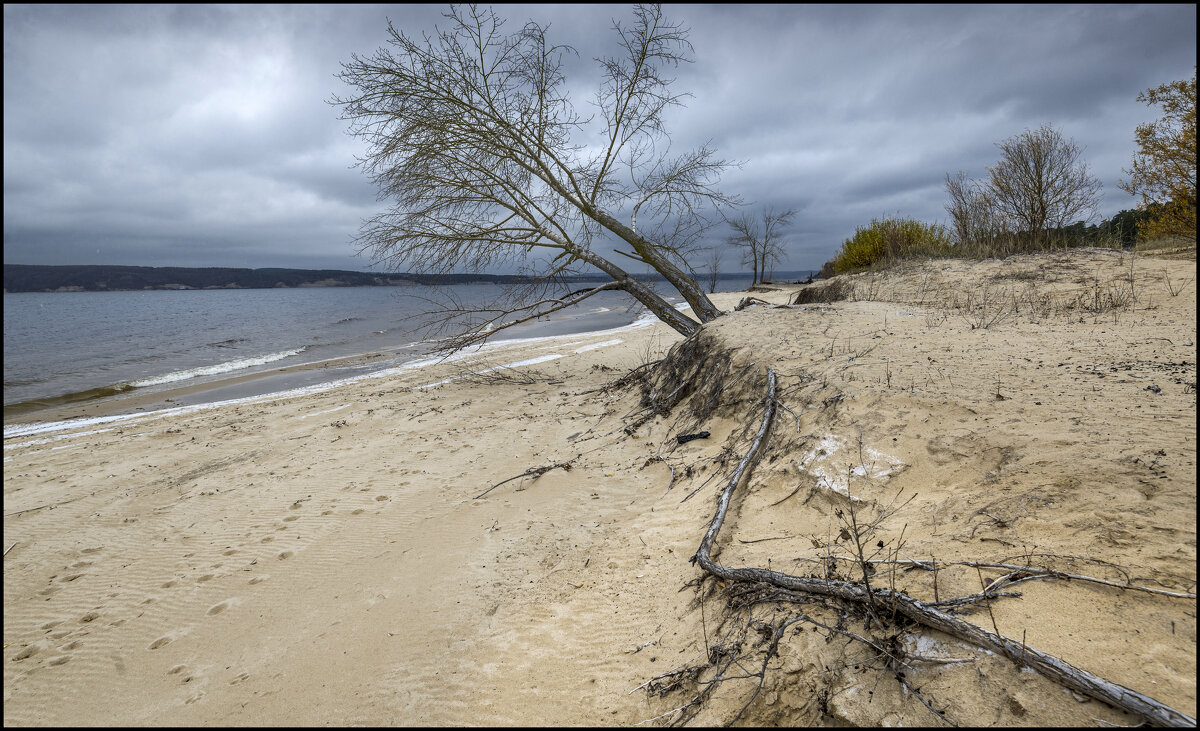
322, 557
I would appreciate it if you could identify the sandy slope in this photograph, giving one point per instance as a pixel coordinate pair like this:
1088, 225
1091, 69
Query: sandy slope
323, 559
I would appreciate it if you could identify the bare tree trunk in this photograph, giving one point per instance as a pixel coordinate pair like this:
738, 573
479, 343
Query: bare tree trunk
656, 304
701, 305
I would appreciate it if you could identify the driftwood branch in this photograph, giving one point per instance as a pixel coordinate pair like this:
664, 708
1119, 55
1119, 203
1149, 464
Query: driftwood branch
1049, 666
748, 301
535, 473
1018, 573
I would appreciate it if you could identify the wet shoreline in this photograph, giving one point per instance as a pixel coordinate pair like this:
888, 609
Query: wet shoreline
114, 400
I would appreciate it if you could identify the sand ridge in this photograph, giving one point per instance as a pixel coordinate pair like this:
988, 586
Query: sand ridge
322, 558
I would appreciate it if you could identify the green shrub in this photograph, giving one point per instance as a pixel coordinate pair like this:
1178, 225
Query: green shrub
891, 239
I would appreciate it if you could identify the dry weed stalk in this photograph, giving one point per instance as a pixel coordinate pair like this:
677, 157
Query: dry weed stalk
985, 311
1173, 289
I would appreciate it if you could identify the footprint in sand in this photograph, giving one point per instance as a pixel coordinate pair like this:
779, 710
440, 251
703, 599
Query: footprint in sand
290, 518
59, 660
29, 651
89, 617
357, 511
260, 579
285, 555
268, 539
240, 677
381, 498
220, 607
169, 584
160, 642
177, 670
206, 577
52, 624
230, 552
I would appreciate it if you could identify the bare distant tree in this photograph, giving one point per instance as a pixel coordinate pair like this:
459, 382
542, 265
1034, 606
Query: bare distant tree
1042, 182
712, 267
760, 237
972, 209
474, 137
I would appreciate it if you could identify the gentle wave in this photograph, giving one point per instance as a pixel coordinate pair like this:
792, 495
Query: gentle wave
21, 408
17, 382
233, 365
230, 343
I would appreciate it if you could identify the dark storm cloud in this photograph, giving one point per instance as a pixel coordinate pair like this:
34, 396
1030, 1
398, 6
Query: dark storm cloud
201, 135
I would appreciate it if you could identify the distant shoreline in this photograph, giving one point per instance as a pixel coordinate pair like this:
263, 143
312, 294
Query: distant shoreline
19, 278
24, 278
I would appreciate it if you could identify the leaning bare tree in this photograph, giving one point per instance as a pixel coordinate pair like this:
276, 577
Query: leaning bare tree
473, 136
1042, 182
760, 238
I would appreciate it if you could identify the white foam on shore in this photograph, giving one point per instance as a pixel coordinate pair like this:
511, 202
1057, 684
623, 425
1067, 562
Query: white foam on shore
594, 346
518, 364
47, 440
212, 370
19, 430
326, 411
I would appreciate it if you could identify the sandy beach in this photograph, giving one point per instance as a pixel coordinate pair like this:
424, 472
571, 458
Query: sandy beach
346, 556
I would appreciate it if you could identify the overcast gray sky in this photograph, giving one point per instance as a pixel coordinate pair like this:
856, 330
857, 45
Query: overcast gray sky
201, 135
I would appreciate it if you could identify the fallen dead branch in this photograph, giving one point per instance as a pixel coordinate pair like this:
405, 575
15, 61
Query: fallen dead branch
651, 460
749, 301
535, 473
924, 614
1019, 573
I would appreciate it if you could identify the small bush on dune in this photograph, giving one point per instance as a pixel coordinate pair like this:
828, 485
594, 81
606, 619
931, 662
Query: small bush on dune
890, 239
823, 292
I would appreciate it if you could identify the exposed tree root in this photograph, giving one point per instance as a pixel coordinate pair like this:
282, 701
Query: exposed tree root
883, 602
695, 370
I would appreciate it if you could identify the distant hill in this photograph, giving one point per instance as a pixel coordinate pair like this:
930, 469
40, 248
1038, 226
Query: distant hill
38, 278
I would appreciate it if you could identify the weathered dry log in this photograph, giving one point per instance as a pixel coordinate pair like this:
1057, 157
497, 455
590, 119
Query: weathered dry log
1049, 666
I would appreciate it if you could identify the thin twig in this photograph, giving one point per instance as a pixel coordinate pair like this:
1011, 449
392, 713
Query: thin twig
535, 472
